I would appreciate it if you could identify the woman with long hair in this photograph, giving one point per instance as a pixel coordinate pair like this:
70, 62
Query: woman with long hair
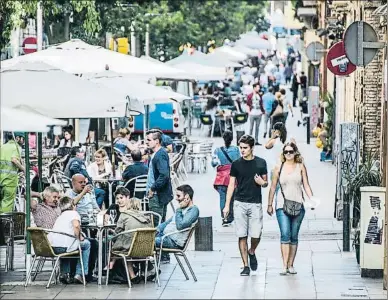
290, 178
68, 139
222, 160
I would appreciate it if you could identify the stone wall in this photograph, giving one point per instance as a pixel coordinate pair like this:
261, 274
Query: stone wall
368, 84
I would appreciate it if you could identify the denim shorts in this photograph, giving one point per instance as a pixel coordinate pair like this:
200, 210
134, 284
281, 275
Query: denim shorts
289, 226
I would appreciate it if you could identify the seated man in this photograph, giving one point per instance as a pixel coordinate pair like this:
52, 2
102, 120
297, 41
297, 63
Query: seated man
136, 169
185, 216
46, 213
76, 165
69, 222
84, 201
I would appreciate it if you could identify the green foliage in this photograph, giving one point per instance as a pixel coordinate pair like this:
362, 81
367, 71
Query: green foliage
328, 101
368, 174
172, 23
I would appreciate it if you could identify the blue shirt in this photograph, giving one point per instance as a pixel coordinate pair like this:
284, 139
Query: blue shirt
87, 202
150, 178
268, 100
232, 151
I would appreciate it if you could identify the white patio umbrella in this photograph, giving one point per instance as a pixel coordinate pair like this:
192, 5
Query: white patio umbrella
230, 53
246, 50
254, 42
78, 57
135, 89
22, 119
203, 73
202, 59
57, 94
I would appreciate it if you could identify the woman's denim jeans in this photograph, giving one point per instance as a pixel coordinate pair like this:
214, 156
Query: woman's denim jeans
289, 226
65, 263
222, 190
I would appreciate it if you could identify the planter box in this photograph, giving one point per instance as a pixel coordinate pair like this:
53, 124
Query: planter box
372, 231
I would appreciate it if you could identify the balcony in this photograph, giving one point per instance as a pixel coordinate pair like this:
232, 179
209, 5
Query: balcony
307, 3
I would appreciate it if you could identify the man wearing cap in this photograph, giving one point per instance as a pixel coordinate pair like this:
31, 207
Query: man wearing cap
10, 165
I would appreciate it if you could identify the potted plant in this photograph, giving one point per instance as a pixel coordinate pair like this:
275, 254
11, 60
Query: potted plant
368, 174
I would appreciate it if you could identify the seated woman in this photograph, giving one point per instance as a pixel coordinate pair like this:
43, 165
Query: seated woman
123, 142
70, 222
129, 219
101, 168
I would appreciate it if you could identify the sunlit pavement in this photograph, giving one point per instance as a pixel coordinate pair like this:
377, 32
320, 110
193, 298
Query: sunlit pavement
324, 271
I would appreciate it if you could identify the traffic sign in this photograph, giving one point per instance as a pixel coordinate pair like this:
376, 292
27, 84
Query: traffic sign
315, 51
30, 45
337, 62
361, 43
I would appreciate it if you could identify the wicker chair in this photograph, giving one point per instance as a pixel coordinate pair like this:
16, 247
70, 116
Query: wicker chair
44, 251
142, 249
179, 252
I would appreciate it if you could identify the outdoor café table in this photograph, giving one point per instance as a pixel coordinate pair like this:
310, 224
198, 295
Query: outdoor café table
100, 235
110, 181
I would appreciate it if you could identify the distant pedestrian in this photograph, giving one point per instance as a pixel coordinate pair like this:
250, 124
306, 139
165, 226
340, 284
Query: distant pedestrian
268, 100
248, 175
223, 158
256, 111
294, 89
303, 84
289, 177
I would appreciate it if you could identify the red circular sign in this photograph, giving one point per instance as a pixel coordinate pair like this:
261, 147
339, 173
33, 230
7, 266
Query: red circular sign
337, 62
30, 45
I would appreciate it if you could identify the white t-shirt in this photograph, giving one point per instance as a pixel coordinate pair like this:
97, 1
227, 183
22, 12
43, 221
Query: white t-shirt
286, 102
256, 111
64, 224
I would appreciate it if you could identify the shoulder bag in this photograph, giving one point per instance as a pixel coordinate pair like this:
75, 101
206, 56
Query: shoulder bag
290, 207
226, 154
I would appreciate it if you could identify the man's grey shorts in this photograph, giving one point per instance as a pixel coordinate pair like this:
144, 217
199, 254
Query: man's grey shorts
248, 219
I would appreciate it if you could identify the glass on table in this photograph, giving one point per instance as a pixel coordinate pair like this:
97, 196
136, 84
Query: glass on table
112, 215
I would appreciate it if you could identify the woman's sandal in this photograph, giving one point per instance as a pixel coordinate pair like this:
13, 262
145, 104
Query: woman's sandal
284, 272
291, 270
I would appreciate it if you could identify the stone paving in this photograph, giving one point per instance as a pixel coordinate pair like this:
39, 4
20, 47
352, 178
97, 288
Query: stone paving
324, 271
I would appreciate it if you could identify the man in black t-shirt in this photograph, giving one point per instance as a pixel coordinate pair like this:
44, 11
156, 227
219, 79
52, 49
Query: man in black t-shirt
249, 173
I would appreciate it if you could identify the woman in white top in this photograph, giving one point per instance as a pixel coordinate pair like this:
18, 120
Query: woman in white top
69, 222
289, 177
101, 168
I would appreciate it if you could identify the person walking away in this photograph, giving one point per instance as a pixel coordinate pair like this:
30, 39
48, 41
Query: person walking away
290, 175
136, 169
294, 89
223, 158
303, 84
288, 74
268, 100
249, 173
287, 107
256, 111
10, 165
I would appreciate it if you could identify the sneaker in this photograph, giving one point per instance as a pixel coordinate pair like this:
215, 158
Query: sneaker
252, 261
136, 280
246, 271
78, 279
226, 224
65, 278
284, 272
258, 144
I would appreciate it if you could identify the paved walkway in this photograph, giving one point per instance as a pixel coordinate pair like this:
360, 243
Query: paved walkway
324, 271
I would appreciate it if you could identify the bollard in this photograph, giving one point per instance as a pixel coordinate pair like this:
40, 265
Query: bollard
204, 234
308, 130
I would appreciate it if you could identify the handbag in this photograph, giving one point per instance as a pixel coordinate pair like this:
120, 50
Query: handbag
223, 172
290, 207
278, 111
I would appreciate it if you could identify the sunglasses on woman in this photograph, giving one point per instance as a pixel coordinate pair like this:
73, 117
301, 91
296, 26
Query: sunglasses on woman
285, 152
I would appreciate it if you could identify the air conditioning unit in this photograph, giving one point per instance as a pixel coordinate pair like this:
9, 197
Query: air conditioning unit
307, 11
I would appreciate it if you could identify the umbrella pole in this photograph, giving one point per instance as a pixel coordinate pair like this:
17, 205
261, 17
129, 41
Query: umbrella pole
40, 162
28, 201
97, 133
112, 148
